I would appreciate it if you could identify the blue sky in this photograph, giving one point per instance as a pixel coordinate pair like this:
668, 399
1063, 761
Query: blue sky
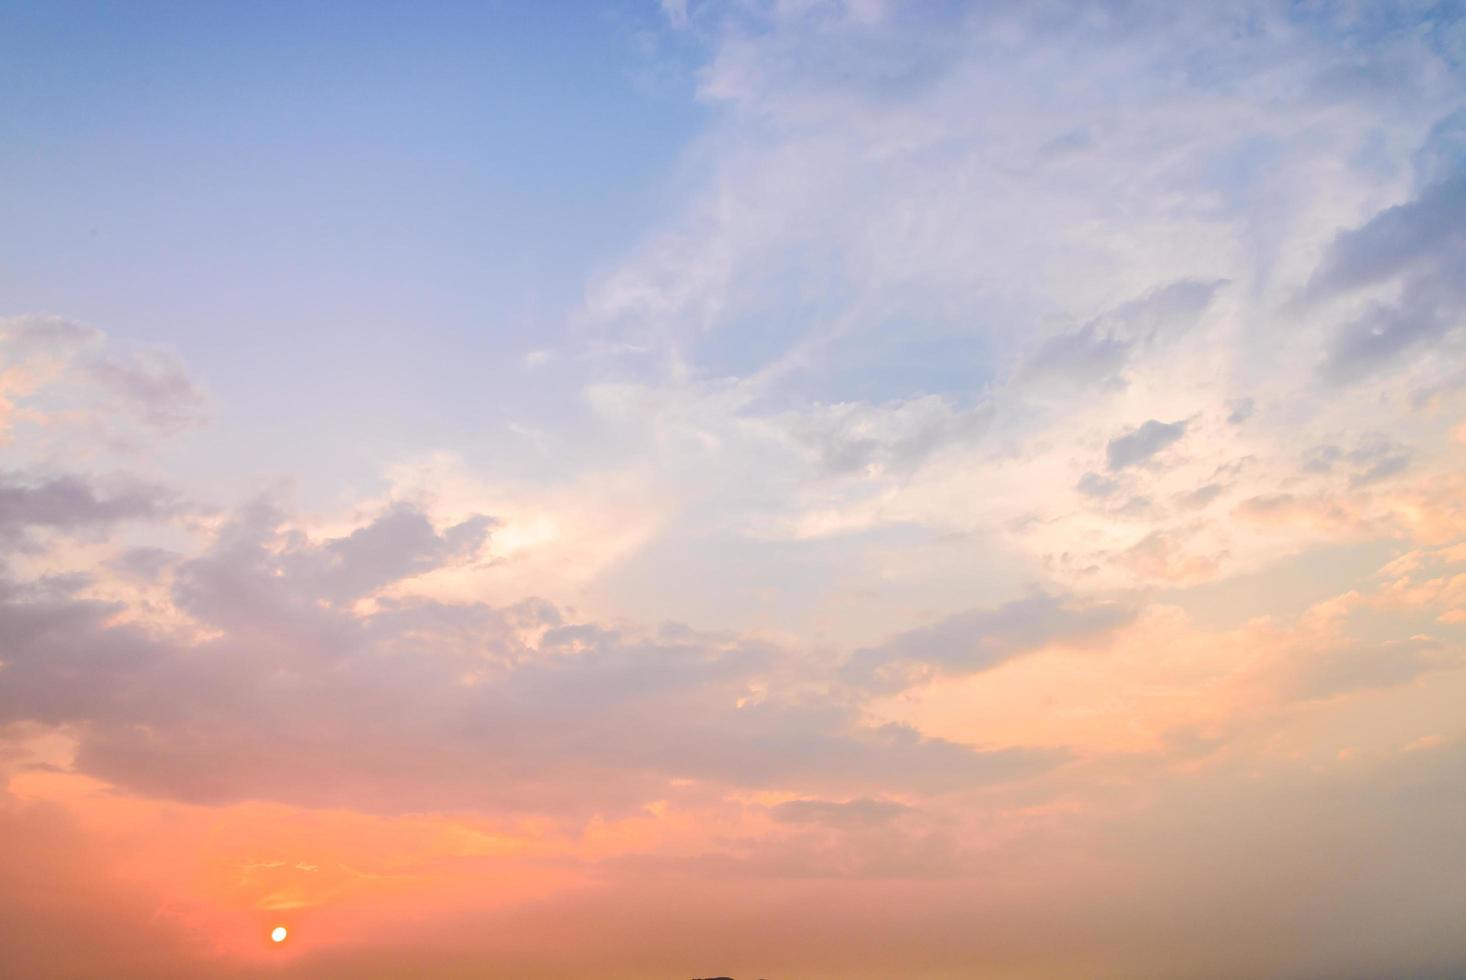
358, 217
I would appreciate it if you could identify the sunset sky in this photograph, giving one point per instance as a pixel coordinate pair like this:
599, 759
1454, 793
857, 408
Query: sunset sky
787, 489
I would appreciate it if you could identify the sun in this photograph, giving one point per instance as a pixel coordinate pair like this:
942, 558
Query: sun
278, 934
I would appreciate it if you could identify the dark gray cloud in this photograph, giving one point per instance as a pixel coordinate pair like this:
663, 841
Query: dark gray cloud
1170, 309
1398, 239
72, 503
1100, 349
1094, 485
1388, 331
1423, 245
1139, 445
1087, 355
400, 543
259, 578
979, 640
144, 564
1381, 468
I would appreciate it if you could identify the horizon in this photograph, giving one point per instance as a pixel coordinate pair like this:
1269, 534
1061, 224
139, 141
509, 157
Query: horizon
733, 488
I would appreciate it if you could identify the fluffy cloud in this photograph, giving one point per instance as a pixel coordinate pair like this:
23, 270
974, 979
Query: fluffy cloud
71, 503
296, 695
58, 378
1140, 444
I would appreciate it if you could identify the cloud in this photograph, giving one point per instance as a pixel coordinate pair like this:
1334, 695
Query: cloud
1420, 243
1385, 333
260, 576
1140, 444
1443, 154
1376, 457
917, 266
1085, 356
290, 692
1094, 485
1076, 271
142, 563
1239, 410
34, 335
854, 437
1201, 496
1162, 556
979, 640
1419, 234
854, 813
71, 383
1371, 667
74, 504
154, 386
1383, 466
1098, 350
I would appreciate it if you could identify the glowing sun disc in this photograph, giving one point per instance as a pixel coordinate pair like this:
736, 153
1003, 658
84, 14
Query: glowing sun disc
278, 934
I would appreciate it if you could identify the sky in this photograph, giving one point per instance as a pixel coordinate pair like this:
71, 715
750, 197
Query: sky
760, 488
